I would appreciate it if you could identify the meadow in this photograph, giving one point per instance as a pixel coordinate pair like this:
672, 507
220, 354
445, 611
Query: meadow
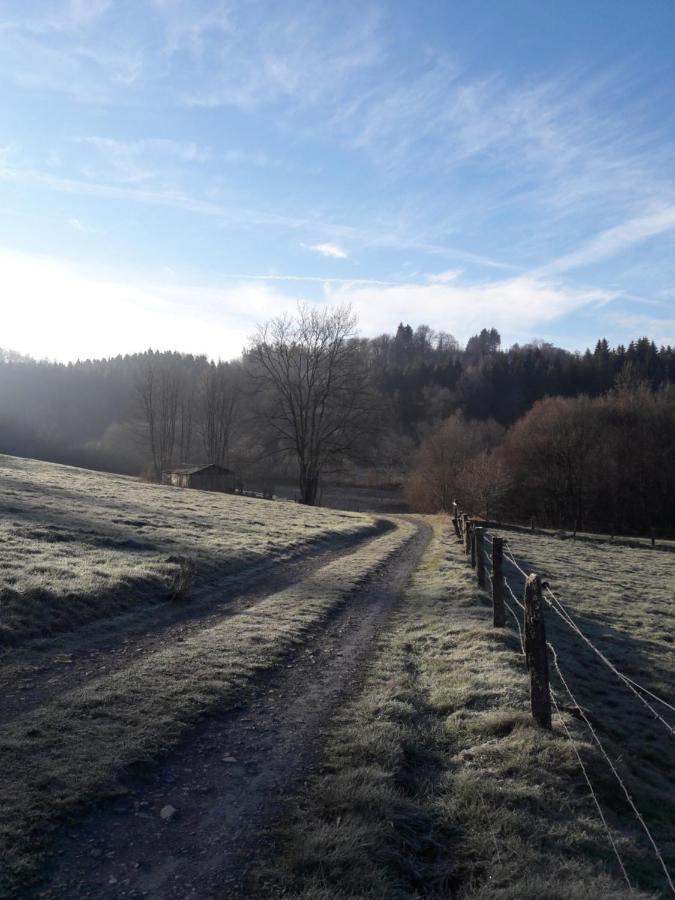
432, 779
77, 545
622, 599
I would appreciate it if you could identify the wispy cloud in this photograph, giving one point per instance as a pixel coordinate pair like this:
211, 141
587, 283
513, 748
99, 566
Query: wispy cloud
613, 240
188, 28
300, 57
131, 189
172, 314
515, 305
140, 160
444, 277
474, 170
77, 225
188, 151
334, 251
57, 15
169, 198
559, 146
312, 279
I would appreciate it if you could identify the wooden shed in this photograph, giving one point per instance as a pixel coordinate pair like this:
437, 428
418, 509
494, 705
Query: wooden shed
203, 478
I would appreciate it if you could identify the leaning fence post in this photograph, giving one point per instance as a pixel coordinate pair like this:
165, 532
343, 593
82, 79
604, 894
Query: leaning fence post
498, 611
473, 545
467, 535
535, 652
480, 558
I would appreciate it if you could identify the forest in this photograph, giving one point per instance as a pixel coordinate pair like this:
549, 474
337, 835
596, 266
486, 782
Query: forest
533, 431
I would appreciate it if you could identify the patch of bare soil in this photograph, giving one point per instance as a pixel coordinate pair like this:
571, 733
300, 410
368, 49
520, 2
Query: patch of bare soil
36, 673
194, 825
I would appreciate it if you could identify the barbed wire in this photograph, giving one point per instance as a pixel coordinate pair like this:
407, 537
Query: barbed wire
632, 685
509, 556
647, 691
591, 789
520, 630
630, 800
567, 618
516, 600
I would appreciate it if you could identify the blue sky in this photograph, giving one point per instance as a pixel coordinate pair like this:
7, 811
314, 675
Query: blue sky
173, 172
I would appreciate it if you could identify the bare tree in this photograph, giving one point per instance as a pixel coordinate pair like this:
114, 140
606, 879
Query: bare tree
217, 409
186, 413
483, 482
310, 370
158, 388
555, 454
443, 461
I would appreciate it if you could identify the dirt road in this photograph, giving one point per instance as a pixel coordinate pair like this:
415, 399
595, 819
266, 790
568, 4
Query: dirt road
33, 675
194, 825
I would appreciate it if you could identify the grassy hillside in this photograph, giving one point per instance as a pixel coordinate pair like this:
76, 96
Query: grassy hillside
77, 545
69, 529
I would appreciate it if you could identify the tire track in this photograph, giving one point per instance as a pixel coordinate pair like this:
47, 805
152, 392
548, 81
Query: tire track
34, 675
193, 825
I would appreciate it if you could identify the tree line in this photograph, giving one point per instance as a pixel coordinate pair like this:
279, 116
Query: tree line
602, 463
309, 398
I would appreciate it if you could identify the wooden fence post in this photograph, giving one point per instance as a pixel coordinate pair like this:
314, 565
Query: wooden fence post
535, 652
467, 534
480, 555
455, 518
498, 611
473, 545
652, 535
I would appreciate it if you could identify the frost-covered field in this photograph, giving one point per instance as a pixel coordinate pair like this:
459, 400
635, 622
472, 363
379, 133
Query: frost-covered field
76, 544
625, 596
623, 600
73, 748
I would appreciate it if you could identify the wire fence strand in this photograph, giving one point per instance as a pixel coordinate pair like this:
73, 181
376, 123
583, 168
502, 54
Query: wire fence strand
593, 794
510, 557
558, 607
520, 630
630, 800
562, 612
630, 683
516, 600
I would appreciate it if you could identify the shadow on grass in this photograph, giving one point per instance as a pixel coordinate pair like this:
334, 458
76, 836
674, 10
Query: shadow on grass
634, 739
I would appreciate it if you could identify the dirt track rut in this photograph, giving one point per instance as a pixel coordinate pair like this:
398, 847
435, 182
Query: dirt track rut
33, 675
227, 781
